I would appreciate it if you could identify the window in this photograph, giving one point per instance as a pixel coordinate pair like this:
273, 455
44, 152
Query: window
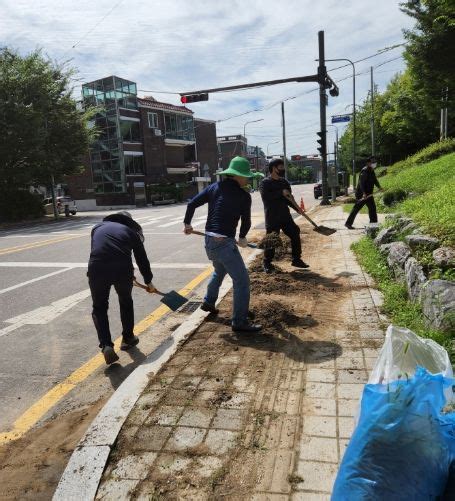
130, 131
153, 120
179, 126
134, 165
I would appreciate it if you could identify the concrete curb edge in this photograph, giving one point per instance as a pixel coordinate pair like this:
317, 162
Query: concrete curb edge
82, 475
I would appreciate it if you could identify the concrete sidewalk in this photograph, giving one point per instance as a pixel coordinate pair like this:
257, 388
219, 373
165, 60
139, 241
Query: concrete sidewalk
267, 416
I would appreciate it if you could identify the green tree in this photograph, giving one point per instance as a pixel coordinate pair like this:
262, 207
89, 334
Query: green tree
44, 131
430, 48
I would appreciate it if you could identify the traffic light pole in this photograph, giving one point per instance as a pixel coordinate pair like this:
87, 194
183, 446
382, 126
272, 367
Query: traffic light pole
322, 77
283, 125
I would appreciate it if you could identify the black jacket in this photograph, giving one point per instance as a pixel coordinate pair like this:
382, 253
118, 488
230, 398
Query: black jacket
276, 205
367, 182
113, 240
228, 203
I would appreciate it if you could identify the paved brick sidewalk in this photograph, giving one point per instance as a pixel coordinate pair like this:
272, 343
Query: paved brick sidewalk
263, 417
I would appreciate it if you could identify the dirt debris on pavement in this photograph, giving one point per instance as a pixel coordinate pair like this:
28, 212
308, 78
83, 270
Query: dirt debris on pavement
264, 415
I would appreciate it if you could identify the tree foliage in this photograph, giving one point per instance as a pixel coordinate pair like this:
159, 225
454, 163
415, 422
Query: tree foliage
44, 131
407, 113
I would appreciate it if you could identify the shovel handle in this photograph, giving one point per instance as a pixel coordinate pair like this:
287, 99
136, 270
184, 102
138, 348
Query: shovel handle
150, 291
202, 234
300, 211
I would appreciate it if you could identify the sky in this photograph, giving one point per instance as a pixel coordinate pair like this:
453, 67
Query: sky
184, 45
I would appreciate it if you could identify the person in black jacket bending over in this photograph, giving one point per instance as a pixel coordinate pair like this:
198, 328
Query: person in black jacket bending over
364, 193
111, 264
228, 203
277, 215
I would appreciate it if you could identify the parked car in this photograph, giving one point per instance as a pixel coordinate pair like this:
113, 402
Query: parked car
61, 202
318, 191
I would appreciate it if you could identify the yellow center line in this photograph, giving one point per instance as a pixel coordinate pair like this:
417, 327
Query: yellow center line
33, 245
34, 413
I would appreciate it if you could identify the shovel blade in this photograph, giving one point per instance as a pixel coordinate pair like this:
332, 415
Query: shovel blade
323, 230
173, 300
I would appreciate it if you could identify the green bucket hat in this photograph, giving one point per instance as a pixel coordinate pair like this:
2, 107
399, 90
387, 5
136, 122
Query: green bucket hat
240, 166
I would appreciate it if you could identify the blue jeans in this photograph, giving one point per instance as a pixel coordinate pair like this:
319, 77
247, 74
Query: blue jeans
226, 258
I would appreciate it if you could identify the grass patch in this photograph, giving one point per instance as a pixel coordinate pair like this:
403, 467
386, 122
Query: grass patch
397, 307
431, 195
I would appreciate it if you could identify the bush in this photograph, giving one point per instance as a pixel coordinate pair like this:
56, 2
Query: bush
165, 192
431, 152
16, 205
393, 196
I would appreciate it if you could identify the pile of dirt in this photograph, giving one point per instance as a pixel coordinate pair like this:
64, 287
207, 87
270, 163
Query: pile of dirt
274, 314
282, 245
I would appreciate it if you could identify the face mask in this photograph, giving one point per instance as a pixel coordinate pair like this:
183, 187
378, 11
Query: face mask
281, 172
373, 165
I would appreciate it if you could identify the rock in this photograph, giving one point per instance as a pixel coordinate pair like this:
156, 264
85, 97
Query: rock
415, 278
438, 304
422, 242
372, 230
410, 227
401, 222
391, 217
444, 257
384, 249
417, 231
385, 236
399, 253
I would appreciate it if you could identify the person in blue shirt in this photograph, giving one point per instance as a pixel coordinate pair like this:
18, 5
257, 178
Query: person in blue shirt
228, 203
110, 264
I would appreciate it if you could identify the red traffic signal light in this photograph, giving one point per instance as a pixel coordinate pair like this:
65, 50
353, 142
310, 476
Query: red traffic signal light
194, 98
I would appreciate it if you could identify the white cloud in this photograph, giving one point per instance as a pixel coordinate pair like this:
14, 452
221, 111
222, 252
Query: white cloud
192, 44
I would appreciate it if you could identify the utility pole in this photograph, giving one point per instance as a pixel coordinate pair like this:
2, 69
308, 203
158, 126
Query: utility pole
322, 76
283, 126
443, 127
372, 112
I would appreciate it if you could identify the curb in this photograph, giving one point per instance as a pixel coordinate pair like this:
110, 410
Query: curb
85, 467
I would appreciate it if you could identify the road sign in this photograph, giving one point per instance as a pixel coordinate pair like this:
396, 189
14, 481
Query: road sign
340, 118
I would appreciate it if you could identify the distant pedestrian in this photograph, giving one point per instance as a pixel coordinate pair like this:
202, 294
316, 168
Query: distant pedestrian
228, 203
274, 190
111, 264
364, 193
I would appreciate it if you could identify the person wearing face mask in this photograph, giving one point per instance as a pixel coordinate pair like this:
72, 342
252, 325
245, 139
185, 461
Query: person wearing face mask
274, 190
228, 203
364, 193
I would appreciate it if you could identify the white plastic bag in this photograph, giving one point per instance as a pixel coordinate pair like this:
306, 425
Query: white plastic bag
403, 351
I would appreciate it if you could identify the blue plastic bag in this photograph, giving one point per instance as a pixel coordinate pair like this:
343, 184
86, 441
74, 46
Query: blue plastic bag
403, 445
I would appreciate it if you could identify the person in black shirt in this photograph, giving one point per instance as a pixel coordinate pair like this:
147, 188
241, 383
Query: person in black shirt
277, 215
110, 264
364, 193
228, 203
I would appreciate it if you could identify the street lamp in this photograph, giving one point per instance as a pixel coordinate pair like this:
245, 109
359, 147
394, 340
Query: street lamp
250, 122
353, 115
274, 142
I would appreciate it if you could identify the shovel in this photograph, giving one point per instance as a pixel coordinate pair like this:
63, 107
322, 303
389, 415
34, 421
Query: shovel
323, 230
172, 299
202, 234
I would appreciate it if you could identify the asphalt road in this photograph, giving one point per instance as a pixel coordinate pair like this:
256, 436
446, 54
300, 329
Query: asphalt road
46, 330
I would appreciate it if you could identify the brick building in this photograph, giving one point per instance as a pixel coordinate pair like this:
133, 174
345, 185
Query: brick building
230, 147
142, 144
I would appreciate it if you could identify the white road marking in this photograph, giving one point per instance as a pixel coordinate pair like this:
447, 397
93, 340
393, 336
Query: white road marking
28, 282
176, 221
68, 266
44, 314
153, 221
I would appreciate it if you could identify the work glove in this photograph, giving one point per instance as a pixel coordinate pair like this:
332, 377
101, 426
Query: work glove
243, 242
188, 229
150, 287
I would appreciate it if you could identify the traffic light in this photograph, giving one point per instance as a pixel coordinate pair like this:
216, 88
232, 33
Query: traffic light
322, 142
194, 98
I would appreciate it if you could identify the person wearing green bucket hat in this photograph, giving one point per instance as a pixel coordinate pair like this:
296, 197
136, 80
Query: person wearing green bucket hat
228, 203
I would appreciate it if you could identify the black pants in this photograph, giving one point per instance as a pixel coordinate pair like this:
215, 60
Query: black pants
369, 202
291, 230
100, 287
